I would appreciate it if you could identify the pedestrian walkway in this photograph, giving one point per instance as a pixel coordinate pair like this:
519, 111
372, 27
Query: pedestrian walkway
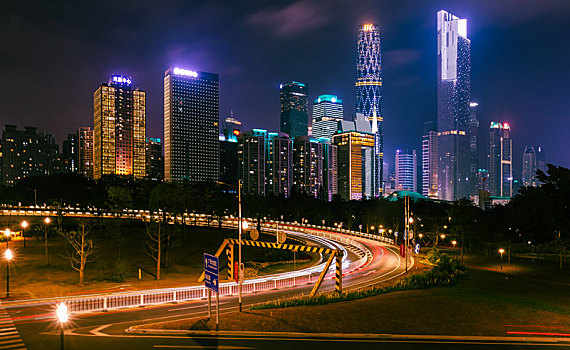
9, 336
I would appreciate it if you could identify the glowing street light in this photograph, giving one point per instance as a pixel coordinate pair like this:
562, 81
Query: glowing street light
8, 256
454, 243
411, 220
62, 316
501, 250
46, 221
24, 225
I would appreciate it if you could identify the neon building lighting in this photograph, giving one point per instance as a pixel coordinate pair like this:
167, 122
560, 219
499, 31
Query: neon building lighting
119, 135
368, 98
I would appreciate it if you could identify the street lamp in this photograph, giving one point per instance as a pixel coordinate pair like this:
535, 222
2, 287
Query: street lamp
46, 221
501, 251
24, 225
7, 234
62, 316
8, 257
454, 243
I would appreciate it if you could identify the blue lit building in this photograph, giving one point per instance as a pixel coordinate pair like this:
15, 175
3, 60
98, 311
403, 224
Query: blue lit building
294, 109
453, 109
191, 132
406, 170
500, 160
327, 112
368, 99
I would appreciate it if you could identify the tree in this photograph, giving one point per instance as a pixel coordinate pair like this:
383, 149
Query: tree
82, 247
154, 244
118, 198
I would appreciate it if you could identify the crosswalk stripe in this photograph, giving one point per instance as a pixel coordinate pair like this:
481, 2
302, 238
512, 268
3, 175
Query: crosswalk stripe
9, 336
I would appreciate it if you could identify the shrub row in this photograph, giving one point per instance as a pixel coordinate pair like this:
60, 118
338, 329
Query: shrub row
447, 271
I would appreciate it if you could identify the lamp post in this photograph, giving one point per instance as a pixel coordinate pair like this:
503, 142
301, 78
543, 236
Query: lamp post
420, 236
8, 257
62, 316
501, 251
454, 243
46, 221
24, 225
7, 234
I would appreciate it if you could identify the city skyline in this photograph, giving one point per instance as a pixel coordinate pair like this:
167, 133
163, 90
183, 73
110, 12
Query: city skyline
408, 46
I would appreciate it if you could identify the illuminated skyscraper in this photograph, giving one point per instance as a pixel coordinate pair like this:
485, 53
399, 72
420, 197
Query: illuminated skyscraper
529, 167
368, 99
429, 160
86, 152
355, 159
500, 160
251, 161
119, 135
330, 169
473, 135
308, 165
327, 112
294, 109
191, 131
279, 164
154, 159
70, 153
540, 159
453, 113
406, 170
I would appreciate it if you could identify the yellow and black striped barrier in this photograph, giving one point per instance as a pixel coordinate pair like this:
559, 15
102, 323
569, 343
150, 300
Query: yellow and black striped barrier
293, 247
338, 274
230, 255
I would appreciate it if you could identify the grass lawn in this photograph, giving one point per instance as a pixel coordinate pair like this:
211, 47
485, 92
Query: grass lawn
488, 302
31, 277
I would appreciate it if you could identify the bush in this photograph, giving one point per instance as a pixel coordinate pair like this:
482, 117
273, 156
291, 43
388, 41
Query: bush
447, 272
120, 270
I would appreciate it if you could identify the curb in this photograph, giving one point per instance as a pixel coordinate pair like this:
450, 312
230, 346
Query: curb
459, 338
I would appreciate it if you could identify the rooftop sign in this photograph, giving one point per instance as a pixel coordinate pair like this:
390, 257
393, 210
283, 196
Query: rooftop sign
185, 72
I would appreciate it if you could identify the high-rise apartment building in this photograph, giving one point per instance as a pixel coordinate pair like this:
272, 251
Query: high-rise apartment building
251, 161
28, 153
327, 112
308, 165
429, 160
500, 160
482, 180
119, 135
453, 108
406, 170
191, 126
473, 134
86, 151
356, 158
368, 98
70, 153
529, 167
330, 169
294, 109
154, 159
279, 164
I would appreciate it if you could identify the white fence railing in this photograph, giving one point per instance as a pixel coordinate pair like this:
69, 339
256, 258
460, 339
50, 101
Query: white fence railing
95, 303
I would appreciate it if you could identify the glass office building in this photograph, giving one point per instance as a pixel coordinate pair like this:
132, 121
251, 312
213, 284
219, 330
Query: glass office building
191, 126
453, 107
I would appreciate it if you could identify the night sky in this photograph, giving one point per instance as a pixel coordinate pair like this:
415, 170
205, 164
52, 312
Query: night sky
54, 54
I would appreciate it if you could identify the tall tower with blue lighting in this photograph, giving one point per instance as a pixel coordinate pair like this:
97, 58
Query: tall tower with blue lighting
368, 99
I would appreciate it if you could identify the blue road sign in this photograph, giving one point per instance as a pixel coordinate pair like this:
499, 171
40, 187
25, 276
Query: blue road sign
417, 249
211, 271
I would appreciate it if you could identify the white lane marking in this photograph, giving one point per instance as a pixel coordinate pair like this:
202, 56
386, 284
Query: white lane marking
97, 331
